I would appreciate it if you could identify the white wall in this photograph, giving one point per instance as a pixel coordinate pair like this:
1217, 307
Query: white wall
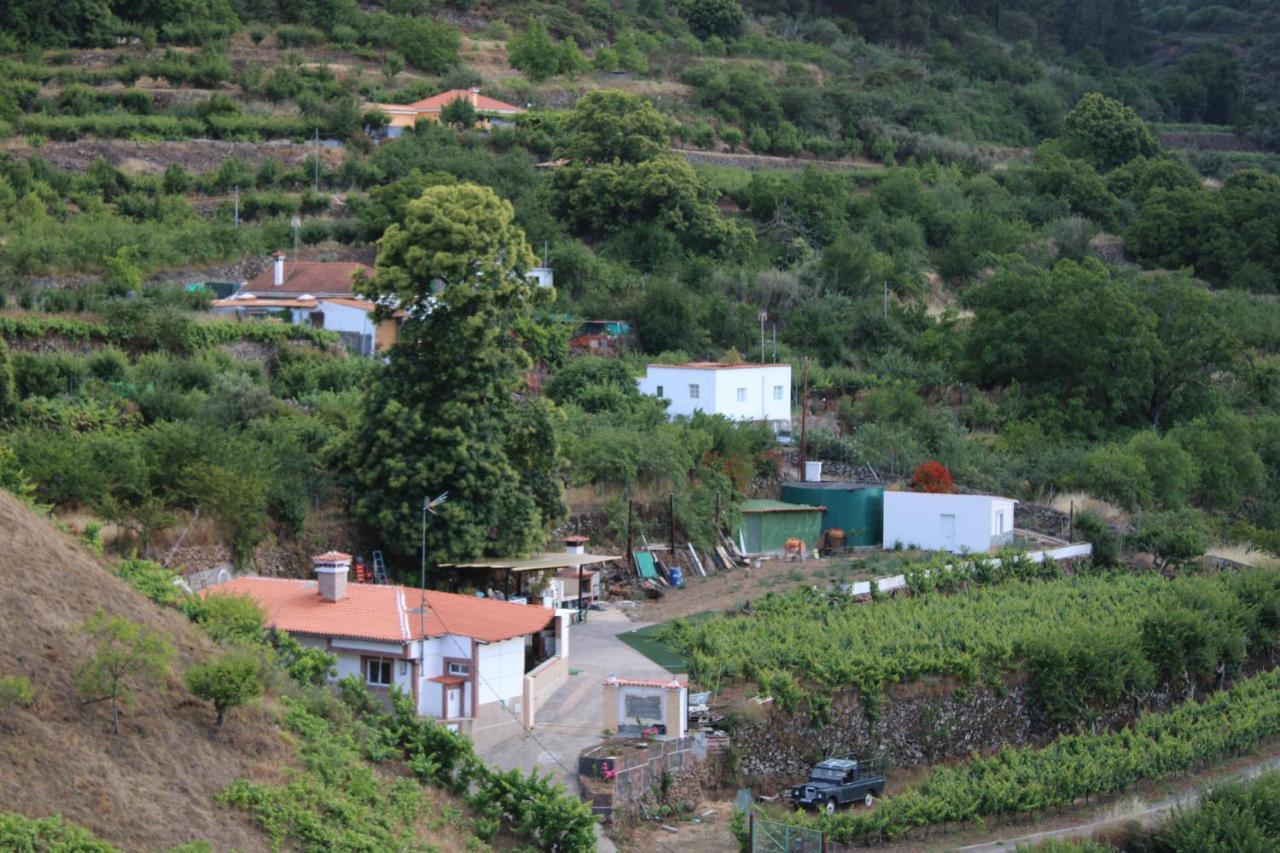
718, 390
916, 519
501, 670
350, 653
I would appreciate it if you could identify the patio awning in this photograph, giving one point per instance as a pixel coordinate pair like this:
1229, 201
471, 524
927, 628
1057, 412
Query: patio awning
536, 563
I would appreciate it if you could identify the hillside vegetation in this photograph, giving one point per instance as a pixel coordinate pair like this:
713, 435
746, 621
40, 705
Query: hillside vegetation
154, 785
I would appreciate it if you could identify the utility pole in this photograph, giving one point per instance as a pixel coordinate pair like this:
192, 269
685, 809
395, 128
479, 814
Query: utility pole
428, 506
804, 415
763, 316
672, 520
315, 185
775, 343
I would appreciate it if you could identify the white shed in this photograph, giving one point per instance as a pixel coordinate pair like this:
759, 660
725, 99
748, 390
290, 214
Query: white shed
740, 392
956, 523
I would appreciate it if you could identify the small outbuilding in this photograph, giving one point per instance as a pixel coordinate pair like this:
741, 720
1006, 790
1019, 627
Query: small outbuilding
857, 509
767, 525
956, 523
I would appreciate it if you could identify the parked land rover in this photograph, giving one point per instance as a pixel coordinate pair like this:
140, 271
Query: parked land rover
837, 782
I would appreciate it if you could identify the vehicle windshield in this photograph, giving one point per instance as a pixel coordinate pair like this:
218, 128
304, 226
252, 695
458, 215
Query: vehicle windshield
826, 774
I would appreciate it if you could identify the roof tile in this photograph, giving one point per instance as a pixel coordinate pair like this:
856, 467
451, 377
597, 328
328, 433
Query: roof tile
318, 278
385, 613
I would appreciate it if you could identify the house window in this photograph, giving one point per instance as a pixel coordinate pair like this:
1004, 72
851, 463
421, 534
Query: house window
459, 668
777, 392
742, 395
377, 671
693, 392
659, 390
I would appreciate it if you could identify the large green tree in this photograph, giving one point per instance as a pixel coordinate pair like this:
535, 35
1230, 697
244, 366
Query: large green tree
447, 412
1107, 133
622, 177
1096, 375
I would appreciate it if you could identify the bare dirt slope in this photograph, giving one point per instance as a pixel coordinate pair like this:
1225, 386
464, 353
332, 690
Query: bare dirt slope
153, 785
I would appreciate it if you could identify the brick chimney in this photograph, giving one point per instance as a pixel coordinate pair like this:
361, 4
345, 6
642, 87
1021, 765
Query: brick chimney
279, 264
474, 94
331, 571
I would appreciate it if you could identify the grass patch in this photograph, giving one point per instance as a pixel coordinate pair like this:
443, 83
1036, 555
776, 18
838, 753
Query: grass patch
646, 642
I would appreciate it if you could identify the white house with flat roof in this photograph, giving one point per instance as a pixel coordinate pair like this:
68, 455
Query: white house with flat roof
956, 523
740, 392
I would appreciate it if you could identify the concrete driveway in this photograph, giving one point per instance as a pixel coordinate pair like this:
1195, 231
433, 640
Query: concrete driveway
572, 718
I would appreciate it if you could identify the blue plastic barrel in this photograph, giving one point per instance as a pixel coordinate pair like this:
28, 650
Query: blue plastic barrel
677, 577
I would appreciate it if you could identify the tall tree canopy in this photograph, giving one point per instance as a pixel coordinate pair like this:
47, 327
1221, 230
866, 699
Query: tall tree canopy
1107, 133
623, 178
446, 413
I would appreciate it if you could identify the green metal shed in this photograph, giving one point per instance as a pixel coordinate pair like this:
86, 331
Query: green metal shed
855, 508
767, 525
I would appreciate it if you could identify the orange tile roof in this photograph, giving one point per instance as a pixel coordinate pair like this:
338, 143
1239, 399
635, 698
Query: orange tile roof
317, 278
263, 302
484, 103
385, 613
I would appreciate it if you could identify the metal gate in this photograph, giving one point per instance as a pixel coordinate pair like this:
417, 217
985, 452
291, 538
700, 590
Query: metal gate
771, 836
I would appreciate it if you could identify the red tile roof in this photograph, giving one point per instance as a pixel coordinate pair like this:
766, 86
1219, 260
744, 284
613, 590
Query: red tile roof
484, 103
263, 302
332, 557
317, 278
385, 613
448, 679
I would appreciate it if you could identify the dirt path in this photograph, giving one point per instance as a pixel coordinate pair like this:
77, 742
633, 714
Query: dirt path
698, 157
726, 590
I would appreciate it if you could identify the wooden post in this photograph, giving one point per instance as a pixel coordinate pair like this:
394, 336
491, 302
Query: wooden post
1071, 523
751, 829
804, 416
630, 547
671, 517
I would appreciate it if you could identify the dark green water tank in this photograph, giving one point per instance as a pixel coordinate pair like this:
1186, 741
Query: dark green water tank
856, 508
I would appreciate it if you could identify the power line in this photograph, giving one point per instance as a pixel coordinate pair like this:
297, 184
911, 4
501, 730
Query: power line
502, 703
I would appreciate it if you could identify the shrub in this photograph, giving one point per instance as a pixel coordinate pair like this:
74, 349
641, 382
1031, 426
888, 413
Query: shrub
933, 477
227, 682
151, 579
15, 692
428, 45
127, 657
228, 619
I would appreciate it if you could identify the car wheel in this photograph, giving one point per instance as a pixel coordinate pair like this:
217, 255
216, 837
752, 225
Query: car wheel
831, 805
869, 799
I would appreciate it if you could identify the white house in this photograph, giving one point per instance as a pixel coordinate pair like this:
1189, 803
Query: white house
477, 665
956, 523
740, 392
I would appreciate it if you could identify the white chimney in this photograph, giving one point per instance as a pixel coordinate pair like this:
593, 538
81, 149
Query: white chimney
331, 570
575, 544
475, 96
279, 276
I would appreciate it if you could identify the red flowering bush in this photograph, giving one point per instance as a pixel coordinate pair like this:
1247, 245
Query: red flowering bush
933, 477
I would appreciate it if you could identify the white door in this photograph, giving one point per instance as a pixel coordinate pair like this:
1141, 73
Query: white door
453, 707
949, 532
